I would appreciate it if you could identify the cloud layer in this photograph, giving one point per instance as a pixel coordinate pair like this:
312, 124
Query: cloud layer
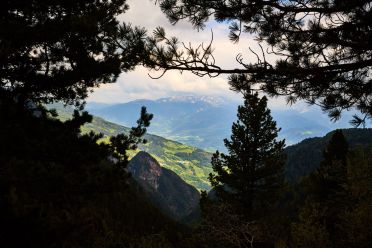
137, 84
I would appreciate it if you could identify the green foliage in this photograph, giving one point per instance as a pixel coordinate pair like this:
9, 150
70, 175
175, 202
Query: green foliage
251, 175
121, 142
190, 163
247, 182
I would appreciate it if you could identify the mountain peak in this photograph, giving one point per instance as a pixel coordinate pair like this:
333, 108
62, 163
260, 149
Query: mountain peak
144, 167
212, 100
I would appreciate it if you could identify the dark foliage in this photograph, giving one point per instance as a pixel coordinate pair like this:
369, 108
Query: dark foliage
247, 182
336, 199
323, 48
59, 50
59, 188
304, 157
251, 175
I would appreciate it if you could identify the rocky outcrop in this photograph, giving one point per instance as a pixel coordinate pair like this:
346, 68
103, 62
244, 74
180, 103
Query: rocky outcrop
165, 189
146, 171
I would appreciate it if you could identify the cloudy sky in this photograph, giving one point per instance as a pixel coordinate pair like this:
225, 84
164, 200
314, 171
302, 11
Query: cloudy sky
138, 84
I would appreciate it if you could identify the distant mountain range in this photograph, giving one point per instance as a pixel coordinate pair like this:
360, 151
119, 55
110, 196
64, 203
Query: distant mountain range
205, 121
164, 168
193, 164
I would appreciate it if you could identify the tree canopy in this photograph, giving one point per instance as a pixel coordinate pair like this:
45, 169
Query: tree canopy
323, 48
59, 50
251, 175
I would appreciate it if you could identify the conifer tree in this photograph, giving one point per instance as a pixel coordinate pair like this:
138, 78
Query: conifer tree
327, 198
251, 174
60, 50
330, 177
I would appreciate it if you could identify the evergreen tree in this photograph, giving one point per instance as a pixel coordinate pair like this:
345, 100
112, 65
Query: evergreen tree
330, 177
327, 198
60, 50
357, 219
251, 175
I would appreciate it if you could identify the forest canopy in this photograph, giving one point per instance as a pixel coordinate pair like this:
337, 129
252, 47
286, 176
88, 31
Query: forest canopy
59, 50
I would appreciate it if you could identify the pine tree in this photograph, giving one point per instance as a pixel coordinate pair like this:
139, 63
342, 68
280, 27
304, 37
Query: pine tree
327, 198
59, 50
251, 175
330, 177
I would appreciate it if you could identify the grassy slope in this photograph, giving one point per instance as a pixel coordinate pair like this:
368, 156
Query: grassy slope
190, 163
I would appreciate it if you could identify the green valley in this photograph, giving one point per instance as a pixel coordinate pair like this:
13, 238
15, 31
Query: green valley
190, 163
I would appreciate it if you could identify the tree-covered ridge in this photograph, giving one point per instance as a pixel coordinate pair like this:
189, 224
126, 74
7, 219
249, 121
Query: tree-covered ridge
193, 164
190, 163
60, 187
305, 156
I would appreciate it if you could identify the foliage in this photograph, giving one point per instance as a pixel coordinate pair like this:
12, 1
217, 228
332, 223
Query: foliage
251, 175
222, 226
337, 199
58, 50
58, 188
304, 157
322, 49
121, 142
190, 163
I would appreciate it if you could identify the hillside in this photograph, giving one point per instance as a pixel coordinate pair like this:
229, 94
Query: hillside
164, 188
193, 165
190, 163
305, 156
204, 121
58, 189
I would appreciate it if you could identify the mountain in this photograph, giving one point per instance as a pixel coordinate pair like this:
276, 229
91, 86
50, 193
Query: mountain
193, 164
205, 121
164, 188
190, 163
305, 156
197, 121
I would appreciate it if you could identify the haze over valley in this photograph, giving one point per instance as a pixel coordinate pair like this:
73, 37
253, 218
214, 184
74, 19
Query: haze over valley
205, 121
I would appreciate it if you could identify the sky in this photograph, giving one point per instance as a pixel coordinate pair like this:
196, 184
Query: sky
138, 84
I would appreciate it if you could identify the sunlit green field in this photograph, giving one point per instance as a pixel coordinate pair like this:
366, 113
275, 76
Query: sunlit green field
190, 163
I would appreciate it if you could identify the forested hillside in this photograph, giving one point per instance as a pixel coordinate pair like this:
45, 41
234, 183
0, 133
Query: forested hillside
192, 164
60, 189
204, 121
78, 181
304, 157
164, 188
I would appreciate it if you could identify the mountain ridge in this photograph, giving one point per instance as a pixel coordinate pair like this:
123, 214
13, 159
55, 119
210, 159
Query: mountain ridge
205, 121
190, 163
164, 188
305, 157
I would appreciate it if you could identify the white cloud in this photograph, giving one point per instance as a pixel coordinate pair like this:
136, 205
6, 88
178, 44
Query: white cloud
138, 85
